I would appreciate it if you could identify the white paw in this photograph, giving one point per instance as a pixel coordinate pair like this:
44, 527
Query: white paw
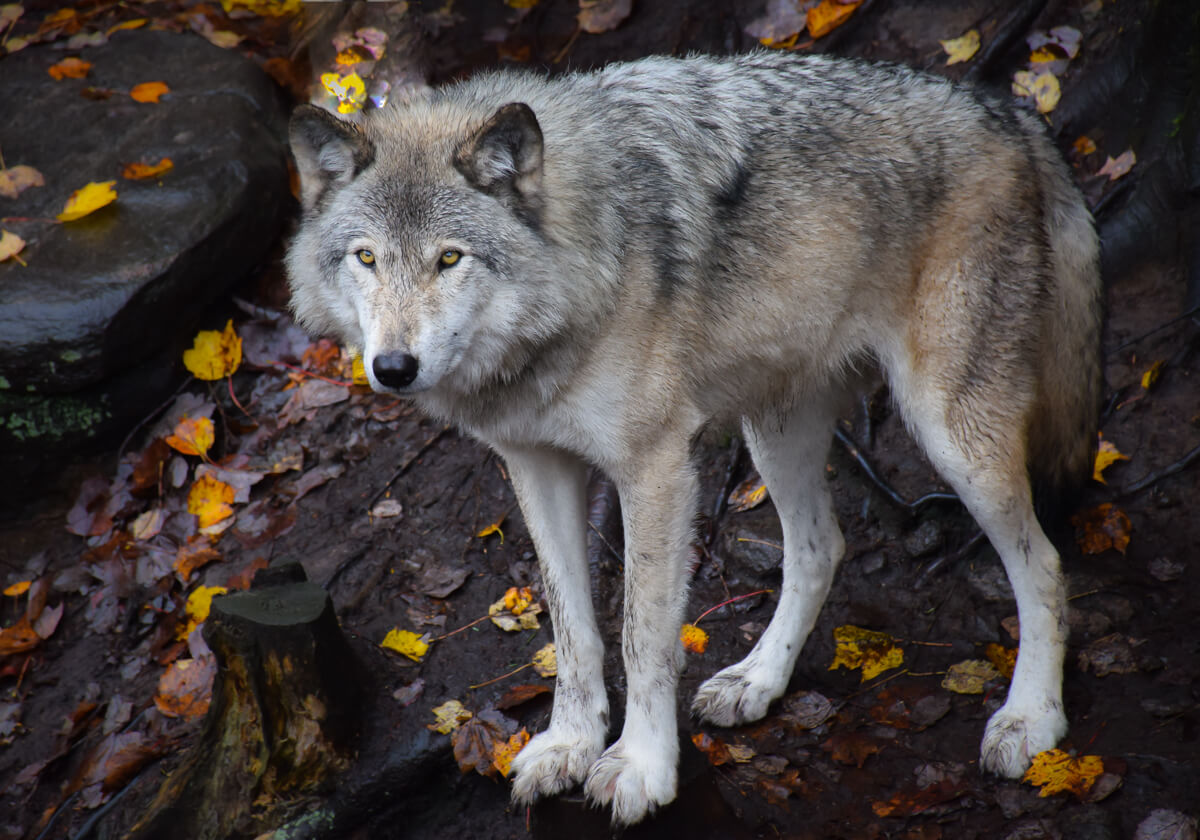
736, 695
554, 761
1014, 736
634, 779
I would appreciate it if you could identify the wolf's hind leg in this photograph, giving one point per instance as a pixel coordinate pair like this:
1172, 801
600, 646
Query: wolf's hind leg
790, 455
550, 486
989, 474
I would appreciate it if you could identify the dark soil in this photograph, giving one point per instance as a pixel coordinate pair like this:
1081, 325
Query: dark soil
884, 765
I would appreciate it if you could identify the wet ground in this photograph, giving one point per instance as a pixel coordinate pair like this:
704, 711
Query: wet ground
894, 756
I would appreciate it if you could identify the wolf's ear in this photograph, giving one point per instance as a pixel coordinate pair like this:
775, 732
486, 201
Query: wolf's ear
329, 152
504, 157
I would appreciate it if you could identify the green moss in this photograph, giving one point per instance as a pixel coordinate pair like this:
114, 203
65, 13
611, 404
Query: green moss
52, 418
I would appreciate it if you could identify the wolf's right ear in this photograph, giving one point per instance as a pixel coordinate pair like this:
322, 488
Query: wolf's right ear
504, 156
329, 152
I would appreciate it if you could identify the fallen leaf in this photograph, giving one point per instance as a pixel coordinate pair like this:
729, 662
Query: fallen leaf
517, 600
1106, 455
405, 642
517, 610
1165, 824
828, 15
349, 90
10, 246
806, 709
748, 495
1119, 166
852, 748
17, 589
192, 555
693, 638
115, 761
19, 637
264, 8
1112, 654
211, 500
142, 171
198, 606
503, 754
69, 68
1003, 659
867, 649
780, 26
494, 528
387, 509
16, 179
222, 38
1054, 771
88, 199
214, 355
911, 707
149, 91
136, 23
519, 694
192, 436
969, 676
596, 16
714, 749
1151, 375
1084, 145
449, 716
962, 48
358, 373
1100, 528
148, 524
1042, 87
477, 740
545, 661
185, 688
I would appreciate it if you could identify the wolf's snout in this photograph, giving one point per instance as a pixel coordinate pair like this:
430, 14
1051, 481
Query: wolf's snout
395, 370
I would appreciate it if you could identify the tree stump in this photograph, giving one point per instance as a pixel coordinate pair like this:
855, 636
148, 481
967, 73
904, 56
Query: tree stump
287, 703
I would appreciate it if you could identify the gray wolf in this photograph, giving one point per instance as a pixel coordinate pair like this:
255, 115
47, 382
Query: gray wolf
589, 269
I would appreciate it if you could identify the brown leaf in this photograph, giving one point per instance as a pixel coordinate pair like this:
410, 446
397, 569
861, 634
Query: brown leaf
713, 748
194, 554
19, 637
1101, 528
852, 747
115, 761
185, 688
1112, 654
596, 16
748, 495
475, 742
519, 694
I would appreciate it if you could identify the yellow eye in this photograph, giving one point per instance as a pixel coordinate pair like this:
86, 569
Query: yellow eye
449, 258
365, 257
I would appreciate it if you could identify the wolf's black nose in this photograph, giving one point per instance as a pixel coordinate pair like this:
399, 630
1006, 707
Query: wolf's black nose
395, 370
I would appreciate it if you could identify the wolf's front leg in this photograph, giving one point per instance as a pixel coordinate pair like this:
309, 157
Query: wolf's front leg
551, 488
638, 772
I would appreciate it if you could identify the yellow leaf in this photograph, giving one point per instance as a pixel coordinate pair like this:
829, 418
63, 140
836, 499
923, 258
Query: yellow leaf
148, 91
520, 4
545, 661
69, 68
503, 754
859, 648
18, 588
516, 611
494, 528
828, 15
1106, 455
405, 642
962, 48
214, 354
748, 495
141, 171
136, 23
694, 639
448, 717
358, 373
1151, 375
199, 604
211, 500
1003, 659
265, 8
1043, 87
1054, 771
1044, 55
10, 246
350, 91
969, 676
88, 199
192, 437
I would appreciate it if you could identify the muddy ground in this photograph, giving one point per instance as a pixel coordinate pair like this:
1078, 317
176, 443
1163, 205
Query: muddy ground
898, 757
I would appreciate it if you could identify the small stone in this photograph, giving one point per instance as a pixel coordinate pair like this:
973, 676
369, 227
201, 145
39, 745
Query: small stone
926, 539
1166, 569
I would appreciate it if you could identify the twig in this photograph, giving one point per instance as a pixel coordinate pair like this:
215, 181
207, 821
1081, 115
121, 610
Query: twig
153, 414
776, 546
1193, 311
1142, 483
567, 47
732, 600
408, 462
460, 629
607, 544
238, 402
896, 498
501, 677
867, 688
948, 559
308, 373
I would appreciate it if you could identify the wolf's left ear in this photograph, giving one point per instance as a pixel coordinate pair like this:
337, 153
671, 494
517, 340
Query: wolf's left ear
329, 152
504, 157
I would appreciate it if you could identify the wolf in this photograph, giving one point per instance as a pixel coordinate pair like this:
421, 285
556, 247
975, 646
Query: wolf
590, 269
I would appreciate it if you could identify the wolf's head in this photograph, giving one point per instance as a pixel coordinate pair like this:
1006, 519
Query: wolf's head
421, 239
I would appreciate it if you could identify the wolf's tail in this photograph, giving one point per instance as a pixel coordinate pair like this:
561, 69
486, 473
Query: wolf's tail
1062, 429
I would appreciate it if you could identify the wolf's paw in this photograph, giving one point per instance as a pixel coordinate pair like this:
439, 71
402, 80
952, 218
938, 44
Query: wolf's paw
1014, 736
554, 761
735, 695
634, 779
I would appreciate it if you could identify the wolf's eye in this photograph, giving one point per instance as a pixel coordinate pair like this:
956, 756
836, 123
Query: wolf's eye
449, 258
365, 257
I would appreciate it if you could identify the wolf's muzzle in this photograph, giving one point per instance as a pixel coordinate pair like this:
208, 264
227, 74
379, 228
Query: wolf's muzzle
395, 370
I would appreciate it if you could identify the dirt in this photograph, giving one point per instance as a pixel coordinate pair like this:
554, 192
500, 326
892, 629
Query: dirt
898, 757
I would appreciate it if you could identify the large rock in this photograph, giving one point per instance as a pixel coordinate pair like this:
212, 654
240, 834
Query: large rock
108, 293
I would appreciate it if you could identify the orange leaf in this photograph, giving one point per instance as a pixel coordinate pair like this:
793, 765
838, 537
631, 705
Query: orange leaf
1055, 771
694, 639
192, 436
18, 638
18, 588
192, 555
872, 651
69, 68
149, 91
211, 500
828, 16
1003, 659
1106, 455
185, 688
714, 748
140, 171
503, 754
1101, 528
